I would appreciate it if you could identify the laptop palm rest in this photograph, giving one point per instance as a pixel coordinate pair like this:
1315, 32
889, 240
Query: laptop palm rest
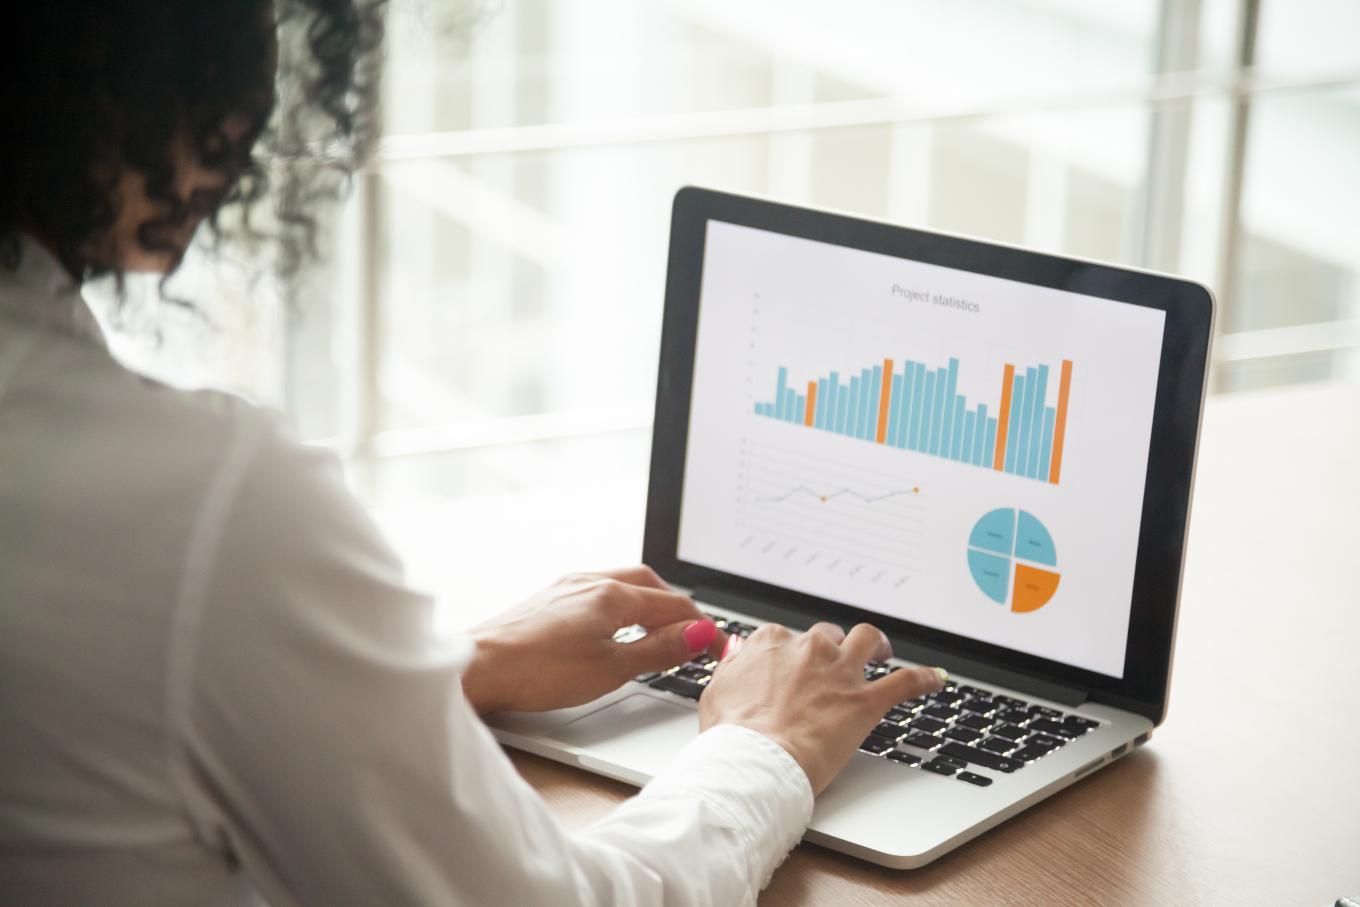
638, 733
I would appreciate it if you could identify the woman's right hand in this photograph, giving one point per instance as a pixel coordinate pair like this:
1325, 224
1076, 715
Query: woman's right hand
807, 692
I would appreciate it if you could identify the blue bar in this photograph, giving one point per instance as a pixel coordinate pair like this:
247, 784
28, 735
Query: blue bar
1013, 428
1026, 422
842, 407
937, 426
1047, 450
852, 424
894, 405
950, 393
779, 388
833, 384
904, 406
969, 420
956, 445
875, 399
918, 396
1036, 436
819, 411
989, 446
867, 392
980, 451
927, 405
799, 408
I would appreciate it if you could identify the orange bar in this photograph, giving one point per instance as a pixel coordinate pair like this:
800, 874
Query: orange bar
1003, 418
1060, 421
883, 400
812, 403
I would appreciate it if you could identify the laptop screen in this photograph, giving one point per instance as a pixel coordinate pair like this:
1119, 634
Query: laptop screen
960, 451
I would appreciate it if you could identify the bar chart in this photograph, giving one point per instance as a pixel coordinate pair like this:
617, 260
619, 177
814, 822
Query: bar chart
919, 408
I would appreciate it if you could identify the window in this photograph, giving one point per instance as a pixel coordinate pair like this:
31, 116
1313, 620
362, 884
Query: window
489, 326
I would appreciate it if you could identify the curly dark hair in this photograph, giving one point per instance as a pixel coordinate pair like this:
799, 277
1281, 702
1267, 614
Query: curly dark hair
92, 88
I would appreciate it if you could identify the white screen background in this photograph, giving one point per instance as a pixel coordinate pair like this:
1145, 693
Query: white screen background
769, 300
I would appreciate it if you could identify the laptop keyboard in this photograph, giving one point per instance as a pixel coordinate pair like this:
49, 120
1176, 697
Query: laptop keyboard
963, 731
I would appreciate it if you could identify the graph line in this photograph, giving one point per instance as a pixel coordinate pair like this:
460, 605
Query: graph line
868, 499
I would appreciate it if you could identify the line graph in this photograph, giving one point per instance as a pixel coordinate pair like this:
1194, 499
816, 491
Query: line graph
831, 496
827, 514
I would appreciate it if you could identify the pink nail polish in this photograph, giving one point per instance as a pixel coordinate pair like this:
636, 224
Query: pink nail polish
700, 635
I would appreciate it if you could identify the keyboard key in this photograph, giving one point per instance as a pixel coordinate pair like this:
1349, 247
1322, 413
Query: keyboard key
1045, 711
1011, 702
691, 672
947, 697
999, 745
876, 745
914, 705
679, 686
951, 760
979, 780
648, 677
980, 757
979, 705
940, 768
972, 691
1077, 722
1049, 726
927, 725
1013, 715
941, 712
893, 732
904, 758
739, 628
976, 722
1009, 731
1045, 742
967, 735
1029, 753
923, 741
897, 716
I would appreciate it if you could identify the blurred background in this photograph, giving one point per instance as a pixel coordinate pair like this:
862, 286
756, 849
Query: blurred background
480, 344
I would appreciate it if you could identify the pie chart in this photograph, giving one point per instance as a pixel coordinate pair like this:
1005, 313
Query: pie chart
1013, 560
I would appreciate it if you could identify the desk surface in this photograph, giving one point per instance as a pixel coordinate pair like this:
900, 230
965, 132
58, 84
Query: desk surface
1250, 793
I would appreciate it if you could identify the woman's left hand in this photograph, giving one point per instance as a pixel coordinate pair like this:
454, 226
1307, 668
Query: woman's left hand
558, 648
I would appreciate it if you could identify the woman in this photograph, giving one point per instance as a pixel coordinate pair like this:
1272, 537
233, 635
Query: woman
214, 682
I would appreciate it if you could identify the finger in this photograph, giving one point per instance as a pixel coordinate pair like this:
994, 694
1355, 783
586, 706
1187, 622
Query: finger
865, 642
650, 607
639, 575
908, 683
830, 631
668, 646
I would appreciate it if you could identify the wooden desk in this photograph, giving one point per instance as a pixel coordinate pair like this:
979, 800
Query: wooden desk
1250, 793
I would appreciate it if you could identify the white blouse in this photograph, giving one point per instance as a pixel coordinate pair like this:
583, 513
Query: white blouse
216, 687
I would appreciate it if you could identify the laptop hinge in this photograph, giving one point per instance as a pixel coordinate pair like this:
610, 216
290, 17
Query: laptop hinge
902, 648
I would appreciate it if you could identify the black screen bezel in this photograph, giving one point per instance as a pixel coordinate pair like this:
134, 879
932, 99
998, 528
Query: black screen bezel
1175, 426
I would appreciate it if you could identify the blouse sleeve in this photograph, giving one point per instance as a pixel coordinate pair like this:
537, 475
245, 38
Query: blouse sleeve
321, 738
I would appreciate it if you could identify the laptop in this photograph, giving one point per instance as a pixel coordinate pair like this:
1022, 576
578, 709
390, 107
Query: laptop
984, 450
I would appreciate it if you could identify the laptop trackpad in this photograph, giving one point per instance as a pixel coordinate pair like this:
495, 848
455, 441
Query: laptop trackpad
640, 733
